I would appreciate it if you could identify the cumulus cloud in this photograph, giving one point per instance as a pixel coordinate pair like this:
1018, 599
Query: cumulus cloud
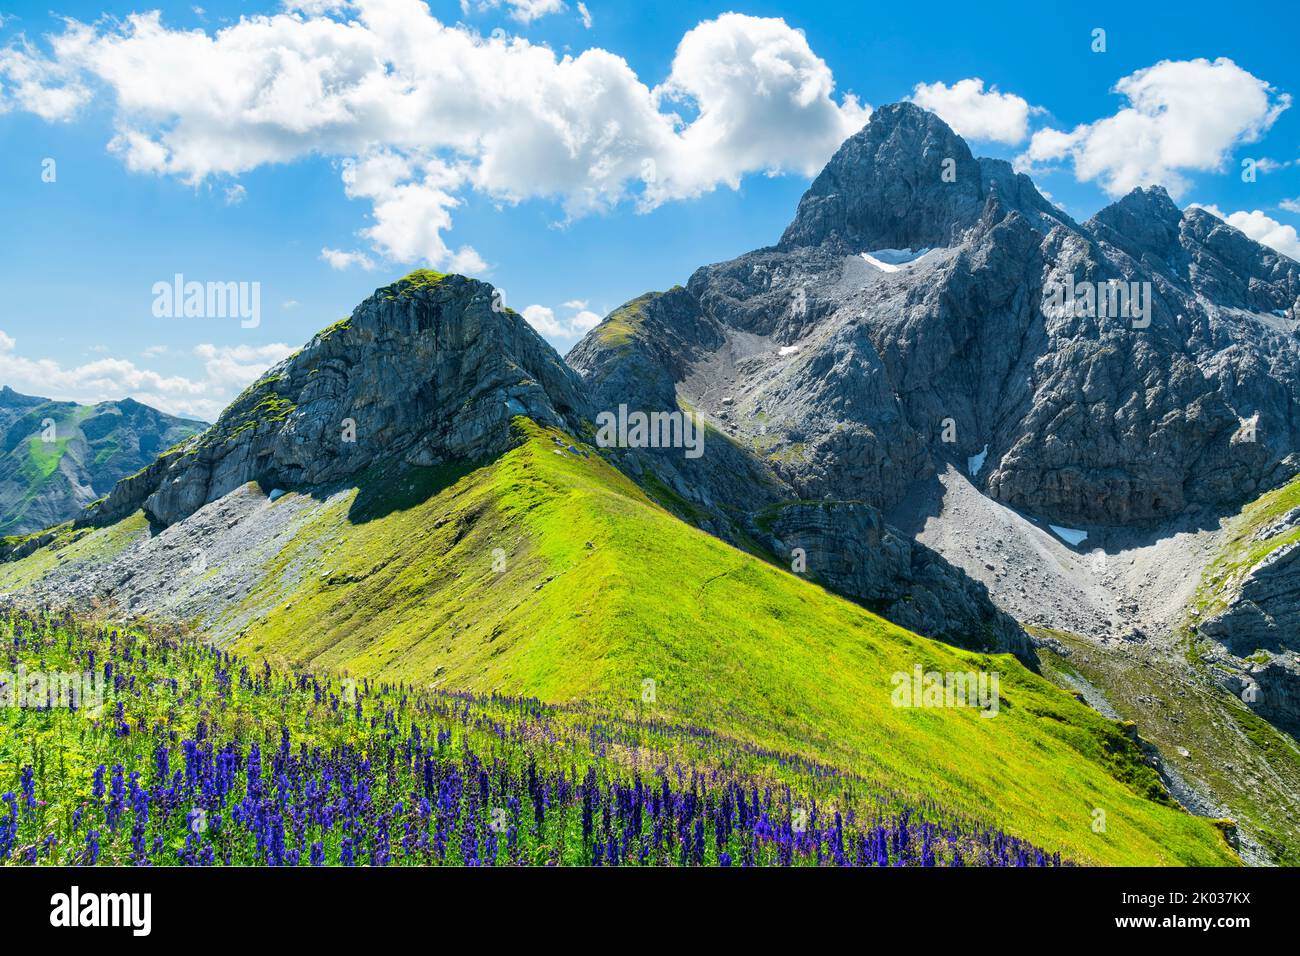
525, 11
412, 202
580, 320
232, 368
341, 259
101, 380
976, 114
1260, 227
764, 103
426, 111
227, 370
1182, 115
48, 87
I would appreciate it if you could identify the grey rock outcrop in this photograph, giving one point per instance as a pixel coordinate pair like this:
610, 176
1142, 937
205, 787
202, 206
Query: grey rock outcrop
426, 370
857, 369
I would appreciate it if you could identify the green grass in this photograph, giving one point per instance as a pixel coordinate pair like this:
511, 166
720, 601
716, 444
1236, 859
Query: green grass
45, 455
1237, 757
622, 325
554, 576
107, 450
414, 282
1239, 554
601, 589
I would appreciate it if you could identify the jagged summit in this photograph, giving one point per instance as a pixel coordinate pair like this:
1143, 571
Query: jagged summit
1146, 222
907, 181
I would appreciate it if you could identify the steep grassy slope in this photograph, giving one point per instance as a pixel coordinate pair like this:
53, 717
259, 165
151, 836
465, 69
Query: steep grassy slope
547, 573
388, 774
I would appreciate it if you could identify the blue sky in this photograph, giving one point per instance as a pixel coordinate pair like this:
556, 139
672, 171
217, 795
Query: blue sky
248, 166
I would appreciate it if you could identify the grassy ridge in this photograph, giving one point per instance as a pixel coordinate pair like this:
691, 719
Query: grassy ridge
551, 575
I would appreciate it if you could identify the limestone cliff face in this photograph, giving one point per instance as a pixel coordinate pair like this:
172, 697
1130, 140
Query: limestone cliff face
426, 370
908, 320
904, 307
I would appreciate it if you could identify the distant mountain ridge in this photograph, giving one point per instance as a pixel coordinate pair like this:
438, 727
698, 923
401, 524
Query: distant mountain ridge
57, 457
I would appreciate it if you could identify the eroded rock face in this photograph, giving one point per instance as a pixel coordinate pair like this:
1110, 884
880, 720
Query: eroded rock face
856, 369
1264, 613
1258, 630
425, 369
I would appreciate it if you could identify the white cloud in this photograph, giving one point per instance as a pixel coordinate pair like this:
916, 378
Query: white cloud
543, 320
235, 367
102, 380
524, 11
1267, 165
585, 14
435, 110
339, 259
1263, 229
412, 202
1290, 205
764, 104
975, 114
1182, 115
581, 321
47, 87
235, 194
227, 369
584, 321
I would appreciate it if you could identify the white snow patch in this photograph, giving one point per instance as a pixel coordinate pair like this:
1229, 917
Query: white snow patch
1071, 536
975, 462
892, 260
789, 349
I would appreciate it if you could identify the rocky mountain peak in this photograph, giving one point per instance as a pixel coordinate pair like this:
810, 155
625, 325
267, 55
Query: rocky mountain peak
1146, 222
428, 369
906, 180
